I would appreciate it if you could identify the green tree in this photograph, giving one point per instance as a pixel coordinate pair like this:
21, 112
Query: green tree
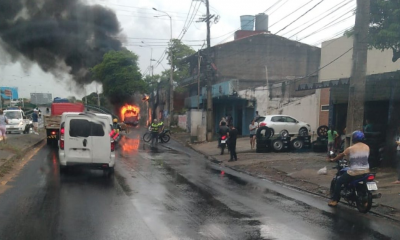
179, 51
384, 31
120, 75
92, 99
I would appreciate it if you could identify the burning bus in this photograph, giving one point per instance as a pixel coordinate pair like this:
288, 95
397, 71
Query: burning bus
130, 114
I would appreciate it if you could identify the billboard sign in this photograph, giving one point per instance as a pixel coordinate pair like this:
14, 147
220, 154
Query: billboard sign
8, 93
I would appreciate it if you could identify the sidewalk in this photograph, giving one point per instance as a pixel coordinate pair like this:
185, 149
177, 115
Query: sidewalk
17, 145
298, 170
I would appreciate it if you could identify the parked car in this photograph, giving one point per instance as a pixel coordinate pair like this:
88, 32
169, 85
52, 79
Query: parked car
284, 125
85, 141
17, 121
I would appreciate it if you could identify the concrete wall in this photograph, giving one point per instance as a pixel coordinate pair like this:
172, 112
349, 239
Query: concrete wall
304, 109
378, 62
246, 59
196, 119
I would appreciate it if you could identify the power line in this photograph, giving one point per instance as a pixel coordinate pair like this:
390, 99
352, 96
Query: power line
292, 13
328, 25
278, 8
147, 9
187, 17
300, 16
318, 20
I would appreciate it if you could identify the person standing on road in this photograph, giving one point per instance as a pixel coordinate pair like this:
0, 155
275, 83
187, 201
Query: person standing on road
35, 118
3, 123
155, 127
253, 129
232, 134
398, 156
332, 135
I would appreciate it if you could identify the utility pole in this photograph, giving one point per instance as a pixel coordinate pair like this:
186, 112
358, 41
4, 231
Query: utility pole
209, 77
198, 80
355, 109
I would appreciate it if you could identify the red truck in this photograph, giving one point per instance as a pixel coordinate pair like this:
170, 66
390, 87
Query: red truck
52, 122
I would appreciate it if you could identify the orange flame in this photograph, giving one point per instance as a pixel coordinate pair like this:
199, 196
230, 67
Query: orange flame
129, 145
129, 111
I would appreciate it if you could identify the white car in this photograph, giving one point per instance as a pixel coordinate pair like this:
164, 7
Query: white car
17, 121
284, 125
85, 141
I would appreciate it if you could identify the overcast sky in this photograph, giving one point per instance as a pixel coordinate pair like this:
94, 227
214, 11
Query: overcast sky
145, 34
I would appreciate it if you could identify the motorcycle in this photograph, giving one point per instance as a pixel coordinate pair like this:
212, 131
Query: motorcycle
359, 192
223, 141
164, 136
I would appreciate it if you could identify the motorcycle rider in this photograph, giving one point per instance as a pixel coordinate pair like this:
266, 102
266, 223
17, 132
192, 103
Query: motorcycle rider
357, 154
223, 131
155, 127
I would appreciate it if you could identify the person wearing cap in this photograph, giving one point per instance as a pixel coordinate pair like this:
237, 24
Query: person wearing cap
35, 118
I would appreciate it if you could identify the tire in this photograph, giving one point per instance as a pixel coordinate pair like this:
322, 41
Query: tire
303, 132
147, 137
297, 144
109, 172
63, 169
284, 134
322, 131
264, 133
222, 149
165, 138
49, 142
364, 200
277, 145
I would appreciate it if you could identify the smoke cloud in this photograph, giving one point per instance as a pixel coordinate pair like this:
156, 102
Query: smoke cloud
60, 35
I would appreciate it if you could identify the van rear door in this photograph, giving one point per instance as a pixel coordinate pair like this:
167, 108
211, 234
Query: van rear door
77, 140
101, 142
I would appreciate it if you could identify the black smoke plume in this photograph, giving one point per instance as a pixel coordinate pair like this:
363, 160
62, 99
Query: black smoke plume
59, 35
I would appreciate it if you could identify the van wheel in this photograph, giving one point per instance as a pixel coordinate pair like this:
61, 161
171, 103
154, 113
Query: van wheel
109, 172
63, 169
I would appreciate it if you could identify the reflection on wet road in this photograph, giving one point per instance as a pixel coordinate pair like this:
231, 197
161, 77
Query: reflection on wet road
168, 192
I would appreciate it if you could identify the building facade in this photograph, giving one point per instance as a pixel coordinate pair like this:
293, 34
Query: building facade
248, 71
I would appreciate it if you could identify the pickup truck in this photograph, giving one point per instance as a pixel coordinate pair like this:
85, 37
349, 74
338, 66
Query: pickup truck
52, 121
17, 121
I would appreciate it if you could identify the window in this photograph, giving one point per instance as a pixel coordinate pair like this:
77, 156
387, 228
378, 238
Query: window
290, 120
275, 119
84, 128
324, 107
260, 119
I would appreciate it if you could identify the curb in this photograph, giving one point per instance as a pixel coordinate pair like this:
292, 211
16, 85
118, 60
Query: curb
216, 161
23, 152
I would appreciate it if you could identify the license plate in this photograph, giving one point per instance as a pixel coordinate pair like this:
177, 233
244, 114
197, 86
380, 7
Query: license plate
223, 141
372, 186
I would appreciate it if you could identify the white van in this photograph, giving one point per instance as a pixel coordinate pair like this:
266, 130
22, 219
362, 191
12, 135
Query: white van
17, 121
85, 141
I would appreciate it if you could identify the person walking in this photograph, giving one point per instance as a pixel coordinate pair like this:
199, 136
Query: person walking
332, 135
35, 121
253, 129
232, 134
398, 156
3, 122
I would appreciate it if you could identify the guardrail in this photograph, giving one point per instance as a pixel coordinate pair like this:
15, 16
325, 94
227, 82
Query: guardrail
100, 109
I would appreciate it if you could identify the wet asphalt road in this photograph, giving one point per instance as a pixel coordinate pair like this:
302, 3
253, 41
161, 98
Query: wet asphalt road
169, 193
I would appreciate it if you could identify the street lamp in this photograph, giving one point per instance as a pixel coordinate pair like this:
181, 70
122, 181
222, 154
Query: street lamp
171, 81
